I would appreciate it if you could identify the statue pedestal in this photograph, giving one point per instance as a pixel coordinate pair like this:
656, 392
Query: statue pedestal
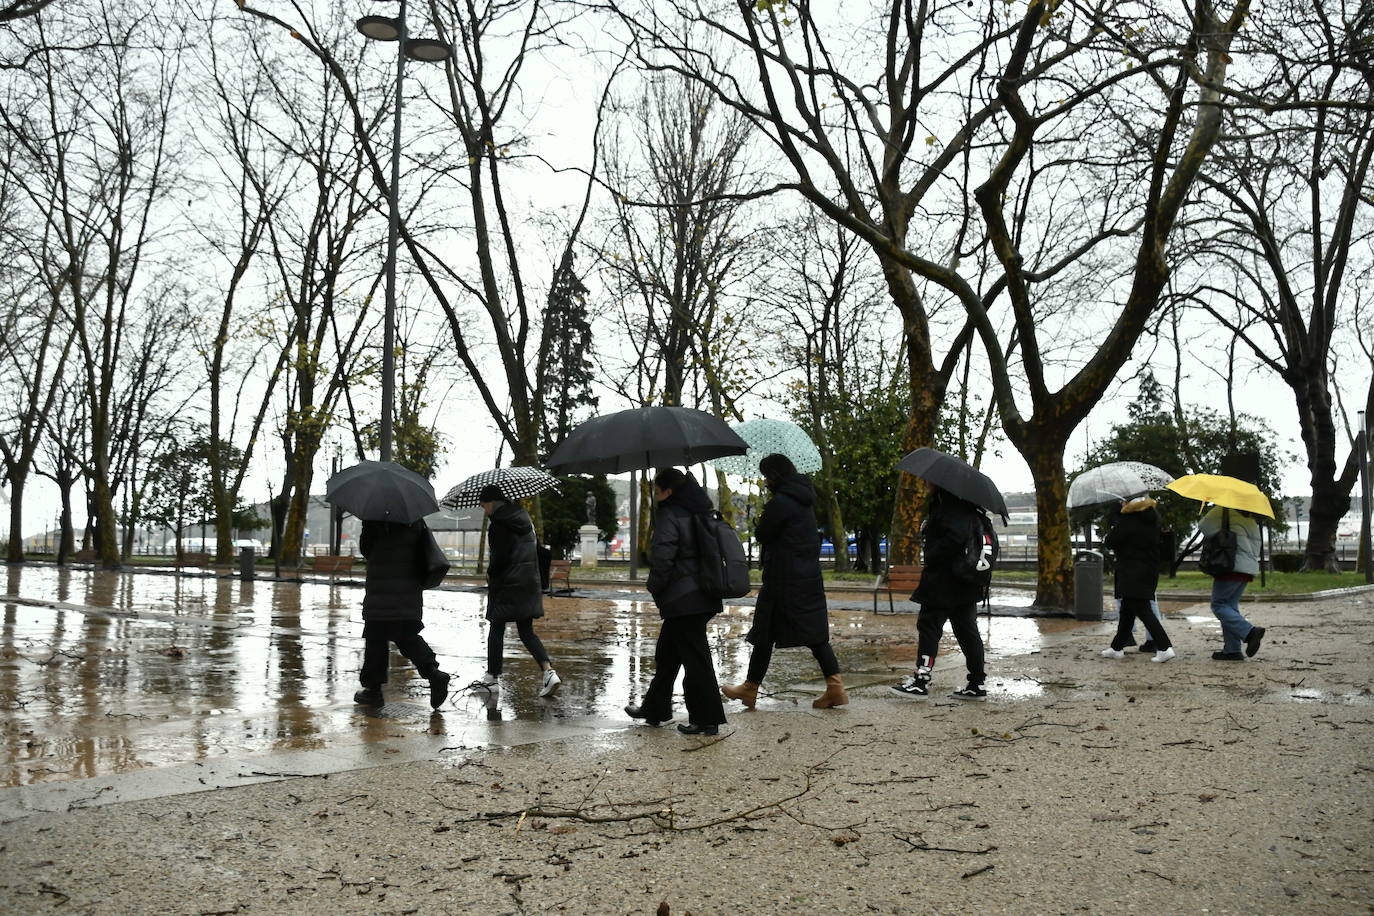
591, 542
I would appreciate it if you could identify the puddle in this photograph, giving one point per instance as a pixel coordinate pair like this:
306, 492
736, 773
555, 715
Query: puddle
131, 671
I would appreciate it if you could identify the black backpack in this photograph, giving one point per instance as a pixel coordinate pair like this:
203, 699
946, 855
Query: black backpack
724, 567
979, 558
1217, 553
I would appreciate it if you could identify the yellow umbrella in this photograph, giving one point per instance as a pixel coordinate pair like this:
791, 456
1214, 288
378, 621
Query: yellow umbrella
1223, 491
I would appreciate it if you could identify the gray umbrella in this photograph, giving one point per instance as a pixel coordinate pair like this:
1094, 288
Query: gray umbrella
381, 491
642, 438
957, 476
1116, 481
515, 483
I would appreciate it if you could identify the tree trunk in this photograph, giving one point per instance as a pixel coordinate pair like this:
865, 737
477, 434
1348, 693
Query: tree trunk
107, 541
1054, 584
1330, 501
15, 553
66, 541
297, 514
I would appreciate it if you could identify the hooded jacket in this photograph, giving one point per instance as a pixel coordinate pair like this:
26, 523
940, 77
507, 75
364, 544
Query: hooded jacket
1134, 538
397, 557
944, 538
513, 585
673, 558
791, 609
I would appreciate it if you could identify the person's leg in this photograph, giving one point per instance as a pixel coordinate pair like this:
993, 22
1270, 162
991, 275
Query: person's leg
1125, 624
1154, 624
533, 643
1226, 607
760, 657
496, 646
964, 621
700, 690
406, 635
930, 623
376, 655
657, 703
825, 657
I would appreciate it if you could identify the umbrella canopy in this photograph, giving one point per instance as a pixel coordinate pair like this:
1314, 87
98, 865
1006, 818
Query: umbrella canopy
1118, 480
381, 491
642, 438
515, 483
957, 476
768, 437
1221, 490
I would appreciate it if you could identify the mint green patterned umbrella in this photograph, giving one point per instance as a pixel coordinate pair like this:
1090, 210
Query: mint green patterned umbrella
767, 437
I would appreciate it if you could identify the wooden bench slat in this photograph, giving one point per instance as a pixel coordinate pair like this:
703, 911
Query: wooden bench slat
903, 579
330, 564
560, 569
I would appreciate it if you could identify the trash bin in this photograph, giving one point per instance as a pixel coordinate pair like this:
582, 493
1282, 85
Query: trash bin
545, 556
247, 563
1087, 585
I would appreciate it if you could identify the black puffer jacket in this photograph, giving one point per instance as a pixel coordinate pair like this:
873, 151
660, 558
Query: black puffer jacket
513, 588
1134, 539
944, 537
397, 556
791, 607
673, 559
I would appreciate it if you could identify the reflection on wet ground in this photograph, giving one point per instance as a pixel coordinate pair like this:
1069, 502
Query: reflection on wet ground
112, 672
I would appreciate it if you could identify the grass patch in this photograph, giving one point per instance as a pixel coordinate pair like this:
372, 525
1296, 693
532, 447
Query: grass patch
1275, 583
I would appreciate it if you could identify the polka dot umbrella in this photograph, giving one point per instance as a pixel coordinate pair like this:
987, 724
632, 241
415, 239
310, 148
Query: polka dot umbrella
767, 437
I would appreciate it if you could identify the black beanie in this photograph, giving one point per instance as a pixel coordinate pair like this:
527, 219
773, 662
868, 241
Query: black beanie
491, 493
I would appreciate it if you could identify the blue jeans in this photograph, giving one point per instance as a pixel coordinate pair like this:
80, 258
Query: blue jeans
1226, 606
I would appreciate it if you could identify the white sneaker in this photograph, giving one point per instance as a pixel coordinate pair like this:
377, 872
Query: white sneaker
485, 682
1109, 652
550, 683
1163, 655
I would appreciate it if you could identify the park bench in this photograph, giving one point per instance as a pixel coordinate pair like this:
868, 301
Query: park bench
903, 579
331, 564
85, 556
560, 569
195, 558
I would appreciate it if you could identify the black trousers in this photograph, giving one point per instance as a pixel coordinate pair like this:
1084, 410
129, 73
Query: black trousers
496, 643
1133, 609
378, 635
963, 620
682, 646
762, 656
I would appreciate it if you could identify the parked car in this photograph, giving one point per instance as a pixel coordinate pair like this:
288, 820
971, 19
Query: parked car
828, 549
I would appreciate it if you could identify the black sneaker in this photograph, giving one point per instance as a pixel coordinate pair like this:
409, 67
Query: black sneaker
971, 692
914, 686
637, 712
369, 696
691, 728
1147, 646
1227, 657
1253, 640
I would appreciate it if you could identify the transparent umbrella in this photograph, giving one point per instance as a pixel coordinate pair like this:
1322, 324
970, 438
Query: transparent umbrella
768, 437
1116, 481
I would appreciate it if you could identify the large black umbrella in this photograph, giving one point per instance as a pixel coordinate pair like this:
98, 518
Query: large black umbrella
957, 476
642, 438
381, 491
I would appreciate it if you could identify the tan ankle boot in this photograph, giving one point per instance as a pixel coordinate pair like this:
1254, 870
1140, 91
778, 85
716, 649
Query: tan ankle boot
747, 693
834, 694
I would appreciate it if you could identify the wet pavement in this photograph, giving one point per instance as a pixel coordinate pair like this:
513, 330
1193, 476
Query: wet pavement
178, 684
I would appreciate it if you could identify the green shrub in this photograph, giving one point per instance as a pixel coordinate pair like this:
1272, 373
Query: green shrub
1287, 562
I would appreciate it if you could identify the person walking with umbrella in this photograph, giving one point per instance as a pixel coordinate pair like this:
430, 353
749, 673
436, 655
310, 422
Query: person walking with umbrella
674, 570
1133, 536
1228, 587
947, 592
791, 608
402, 561
514, 592
398, 561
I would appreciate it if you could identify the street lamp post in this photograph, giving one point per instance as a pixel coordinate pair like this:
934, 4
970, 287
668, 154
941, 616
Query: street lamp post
385, 28
1362, 451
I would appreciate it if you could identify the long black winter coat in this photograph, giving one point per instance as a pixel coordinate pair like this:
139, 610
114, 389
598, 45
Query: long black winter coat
791, 605
673, 557
513, 586
1134, 539
945, 537
397, 556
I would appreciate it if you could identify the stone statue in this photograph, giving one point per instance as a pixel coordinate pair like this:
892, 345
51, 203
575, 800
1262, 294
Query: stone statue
591, 508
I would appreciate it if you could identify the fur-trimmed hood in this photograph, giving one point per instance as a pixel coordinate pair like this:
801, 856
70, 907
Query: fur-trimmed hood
1139, 504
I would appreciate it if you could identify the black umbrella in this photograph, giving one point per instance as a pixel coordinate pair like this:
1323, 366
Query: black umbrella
957, 476
642, 438
381, 491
